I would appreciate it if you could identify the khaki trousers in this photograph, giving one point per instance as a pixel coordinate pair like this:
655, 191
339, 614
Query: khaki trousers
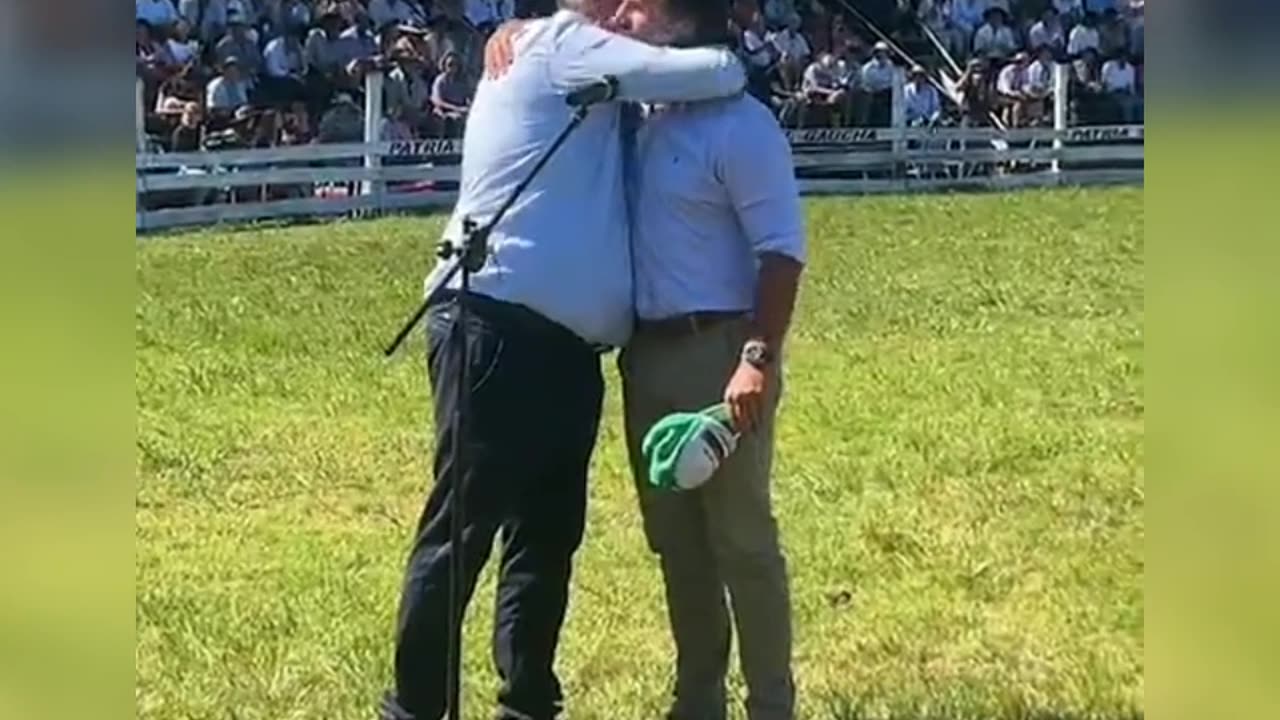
720, 537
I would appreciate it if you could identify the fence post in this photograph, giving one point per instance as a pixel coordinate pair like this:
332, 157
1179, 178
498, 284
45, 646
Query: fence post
898, 115
372, 133
139, 116
1061, 85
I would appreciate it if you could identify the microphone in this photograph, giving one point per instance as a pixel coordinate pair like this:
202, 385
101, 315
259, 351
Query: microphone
602, 90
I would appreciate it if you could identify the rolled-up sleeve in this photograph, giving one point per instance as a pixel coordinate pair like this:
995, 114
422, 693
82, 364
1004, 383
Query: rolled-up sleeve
754, 163
645, 73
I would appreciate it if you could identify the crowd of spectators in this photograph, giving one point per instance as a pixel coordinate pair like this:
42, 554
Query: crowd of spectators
832, 62
258, 73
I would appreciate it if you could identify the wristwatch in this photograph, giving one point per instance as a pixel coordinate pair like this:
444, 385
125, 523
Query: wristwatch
757, 354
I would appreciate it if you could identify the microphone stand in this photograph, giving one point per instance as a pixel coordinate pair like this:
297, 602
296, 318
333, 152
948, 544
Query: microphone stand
466, 258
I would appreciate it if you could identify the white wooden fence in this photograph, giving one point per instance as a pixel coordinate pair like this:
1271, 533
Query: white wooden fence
378, 176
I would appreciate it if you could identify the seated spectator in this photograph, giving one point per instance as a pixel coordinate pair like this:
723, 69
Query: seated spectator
343, 122
793, 49
1048, 32
240, 42
937, 16
295, 16
295, 126
485, 15
876, 84
176, 93
188, 136
1119, 84
978, 101
284, 81
1137, 30
1012, 90
1039, 86
967, 15
1113, 35
758, 56
451, 96
923, 105
779, 13
227, 92
1084, 36
158, 14
398, 12
395, 128
152, 61
182, 48
824, 92
324, 52
995, 39
1069, 11
409, 85
785, 95
1086, 88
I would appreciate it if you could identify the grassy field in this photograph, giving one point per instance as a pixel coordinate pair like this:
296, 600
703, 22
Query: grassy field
959, 480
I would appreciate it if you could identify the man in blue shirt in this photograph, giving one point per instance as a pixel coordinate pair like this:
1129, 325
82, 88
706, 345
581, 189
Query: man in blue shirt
555, 288
719, 246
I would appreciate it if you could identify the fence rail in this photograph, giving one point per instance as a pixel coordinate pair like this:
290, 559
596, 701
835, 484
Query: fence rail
375, 176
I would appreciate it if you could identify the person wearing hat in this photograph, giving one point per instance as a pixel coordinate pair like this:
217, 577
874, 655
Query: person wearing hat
409, 83
920, 97
1012, 88
719, 247
875, 86
554, 294
284, 80
228, 91
240, 42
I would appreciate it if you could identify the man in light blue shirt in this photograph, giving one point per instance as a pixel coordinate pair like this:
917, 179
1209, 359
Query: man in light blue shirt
719, 246
556, 287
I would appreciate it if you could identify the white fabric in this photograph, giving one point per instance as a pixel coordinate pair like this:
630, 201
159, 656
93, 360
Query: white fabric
280, 62
717, 188
1118, 77
990, 40
1041, 35
1082, 38
1012, 80
223, 95
562, 249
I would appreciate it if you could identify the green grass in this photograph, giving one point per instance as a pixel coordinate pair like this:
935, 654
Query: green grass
959, 479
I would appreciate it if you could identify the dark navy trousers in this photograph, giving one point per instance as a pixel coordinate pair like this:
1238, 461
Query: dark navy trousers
536, 393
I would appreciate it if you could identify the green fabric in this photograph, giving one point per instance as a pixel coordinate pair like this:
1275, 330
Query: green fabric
668, 437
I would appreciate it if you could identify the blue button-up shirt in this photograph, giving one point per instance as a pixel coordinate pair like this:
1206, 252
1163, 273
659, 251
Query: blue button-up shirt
716, 189
562, 250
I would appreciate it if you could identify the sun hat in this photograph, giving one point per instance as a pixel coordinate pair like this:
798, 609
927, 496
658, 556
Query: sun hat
683, 450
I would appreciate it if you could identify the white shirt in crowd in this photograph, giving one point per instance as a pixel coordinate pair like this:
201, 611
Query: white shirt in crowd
921, 102
562, 250
1067, 8
182, 52
1082, 38
758, 51
1040, 78
790, 43
1042, 34
877, 75
402, 12
1119, 76
1012, 80
717, 188
992, 41
156, 12
819, 77
224, 95
479, 12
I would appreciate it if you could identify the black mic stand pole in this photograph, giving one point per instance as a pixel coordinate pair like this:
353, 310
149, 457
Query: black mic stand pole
466, 258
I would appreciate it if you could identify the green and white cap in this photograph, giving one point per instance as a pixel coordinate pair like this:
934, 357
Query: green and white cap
683, 450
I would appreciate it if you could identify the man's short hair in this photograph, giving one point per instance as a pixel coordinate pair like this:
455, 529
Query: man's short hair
710, 19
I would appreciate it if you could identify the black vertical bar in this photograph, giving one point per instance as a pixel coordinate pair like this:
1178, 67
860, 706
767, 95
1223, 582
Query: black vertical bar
453, 686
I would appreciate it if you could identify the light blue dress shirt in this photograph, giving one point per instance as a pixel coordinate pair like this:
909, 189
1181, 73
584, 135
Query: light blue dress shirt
562, 250
716, 188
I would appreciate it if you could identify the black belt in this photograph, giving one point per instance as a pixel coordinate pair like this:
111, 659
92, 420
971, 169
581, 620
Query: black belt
518, 318
688, 323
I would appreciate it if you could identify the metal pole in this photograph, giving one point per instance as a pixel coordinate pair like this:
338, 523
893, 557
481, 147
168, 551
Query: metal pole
139, 116
372, 133
898, 118
1061, 91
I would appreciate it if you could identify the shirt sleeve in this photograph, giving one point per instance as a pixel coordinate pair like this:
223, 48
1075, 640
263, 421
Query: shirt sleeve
762, 185
645, 73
